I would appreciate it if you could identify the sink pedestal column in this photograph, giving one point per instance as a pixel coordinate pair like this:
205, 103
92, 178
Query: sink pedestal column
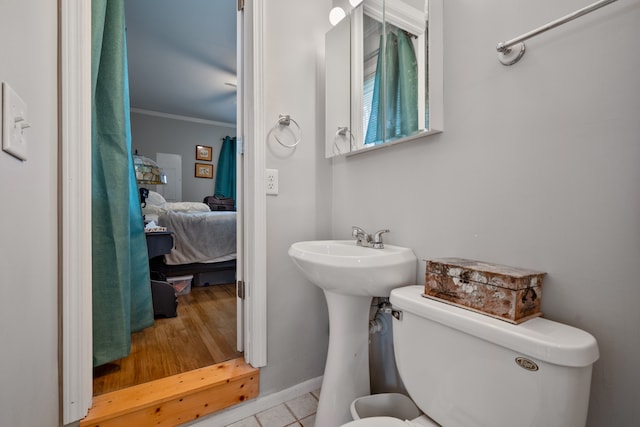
346, 374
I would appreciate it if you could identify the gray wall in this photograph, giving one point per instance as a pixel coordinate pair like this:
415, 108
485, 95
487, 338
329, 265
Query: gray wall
151, 134
29, 221
297, 327
537, 167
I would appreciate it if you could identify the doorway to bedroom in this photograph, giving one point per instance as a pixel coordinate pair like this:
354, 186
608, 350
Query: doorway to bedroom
164, 43
202, 334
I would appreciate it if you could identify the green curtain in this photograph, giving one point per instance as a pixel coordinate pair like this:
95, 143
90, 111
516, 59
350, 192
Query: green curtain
226, 173
407, 87
121, 283
384, 101
394, 108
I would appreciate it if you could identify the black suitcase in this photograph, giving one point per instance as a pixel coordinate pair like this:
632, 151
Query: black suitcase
218, 203
165, 301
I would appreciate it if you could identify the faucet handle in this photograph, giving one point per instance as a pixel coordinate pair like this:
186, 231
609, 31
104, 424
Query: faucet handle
377, 239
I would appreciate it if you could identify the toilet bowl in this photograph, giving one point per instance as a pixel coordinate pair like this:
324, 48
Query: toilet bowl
462, 368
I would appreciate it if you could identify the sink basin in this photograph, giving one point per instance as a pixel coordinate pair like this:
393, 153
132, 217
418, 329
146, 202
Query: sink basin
350, 276
343, 267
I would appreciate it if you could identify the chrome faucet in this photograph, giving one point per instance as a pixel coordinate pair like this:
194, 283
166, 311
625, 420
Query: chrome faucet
364, 239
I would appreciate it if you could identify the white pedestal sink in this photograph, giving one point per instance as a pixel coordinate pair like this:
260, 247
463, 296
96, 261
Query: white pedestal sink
350, 277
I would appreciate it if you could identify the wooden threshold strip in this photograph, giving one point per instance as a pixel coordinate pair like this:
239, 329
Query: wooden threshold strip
177, 399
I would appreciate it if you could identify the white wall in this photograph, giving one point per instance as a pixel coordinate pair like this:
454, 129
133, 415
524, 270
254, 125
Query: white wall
28, 225
537, 167
294, 84
151, 134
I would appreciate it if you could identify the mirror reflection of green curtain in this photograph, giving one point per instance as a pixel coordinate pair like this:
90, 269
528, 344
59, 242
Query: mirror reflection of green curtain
383, 111
121, 282
226, 173
407, 87
394, 107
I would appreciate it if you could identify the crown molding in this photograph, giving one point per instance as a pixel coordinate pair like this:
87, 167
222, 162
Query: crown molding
182, 118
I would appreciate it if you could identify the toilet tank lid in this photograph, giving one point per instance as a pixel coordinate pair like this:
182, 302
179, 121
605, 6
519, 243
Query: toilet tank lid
540, 338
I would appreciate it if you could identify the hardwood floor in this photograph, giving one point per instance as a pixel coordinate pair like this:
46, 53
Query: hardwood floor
203, 333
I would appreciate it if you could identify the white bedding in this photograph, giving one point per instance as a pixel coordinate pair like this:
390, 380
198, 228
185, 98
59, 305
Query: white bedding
200, 237
152, 212
157, 205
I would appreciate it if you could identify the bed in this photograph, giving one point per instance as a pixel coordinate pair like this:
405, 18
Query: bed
204, 241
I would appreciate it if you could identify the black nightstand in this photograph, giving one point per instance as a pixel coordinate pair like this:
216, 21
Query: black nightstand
165, 301
159, 243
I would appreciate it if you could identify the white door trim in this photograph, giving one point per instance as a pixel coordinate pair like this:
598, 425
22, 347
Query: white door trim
255, 236
240, 179
75, 202
74, 197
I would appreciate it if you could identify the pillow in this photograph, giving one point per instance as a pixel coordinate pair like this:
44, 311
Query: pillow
156, 199
153, 210
186, 207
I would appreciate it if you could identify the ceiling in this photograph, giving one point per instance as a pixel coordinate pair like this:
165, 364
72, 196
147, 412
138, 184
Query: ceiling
182, 57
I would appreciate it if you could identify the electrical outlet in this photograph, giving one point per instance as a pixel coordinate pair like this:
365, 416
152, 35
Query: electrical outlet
272, 181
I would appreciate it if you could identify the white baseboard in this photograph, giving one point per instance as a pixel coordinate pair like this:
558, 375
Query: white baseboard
261, 403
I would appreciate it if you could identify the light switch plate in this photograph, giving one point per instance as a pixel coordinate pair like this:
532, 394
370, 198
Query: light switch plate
14, 122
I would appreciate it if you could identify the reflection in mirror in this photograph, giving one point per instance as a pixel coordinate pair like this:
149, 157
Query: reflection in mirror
393, 89
337, 89
372, 43
396, 75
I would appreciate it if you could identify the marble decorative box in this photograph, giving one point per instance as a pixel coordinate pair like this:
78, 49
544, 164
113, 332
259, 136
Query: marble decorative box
507, 293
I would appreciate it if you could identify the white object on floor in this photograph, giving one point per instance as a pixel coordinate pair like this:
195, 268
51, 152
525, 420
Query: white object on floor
377, 422
384, 404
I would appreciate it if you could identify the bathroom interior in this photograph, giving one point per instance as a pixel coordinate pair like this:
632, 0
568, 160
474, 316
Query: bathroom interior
535, 166
513, 169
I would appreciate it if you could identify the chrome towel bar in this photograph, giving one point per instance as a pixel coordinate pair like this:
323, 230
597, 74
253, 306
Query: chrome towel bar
511, 51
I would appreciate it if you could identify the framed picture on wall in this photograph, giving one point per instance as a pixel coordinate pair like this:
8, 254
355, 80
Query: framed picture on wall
204, 170
203, 152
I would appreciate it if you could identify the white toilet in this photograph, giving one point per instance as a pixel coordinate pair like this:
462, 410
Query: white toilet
465, 369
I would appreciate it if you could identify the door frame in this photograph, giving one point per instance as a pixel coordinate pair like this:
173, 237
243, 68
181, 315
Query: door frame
254, 212
74, 189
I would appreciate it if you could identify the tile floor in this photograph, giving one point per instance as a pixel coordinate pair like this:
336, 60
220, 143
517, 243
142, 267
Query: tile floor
300, 411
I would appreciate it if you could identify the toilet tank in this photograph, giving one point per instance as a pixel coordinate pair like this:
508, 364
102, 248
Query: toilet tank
467, 369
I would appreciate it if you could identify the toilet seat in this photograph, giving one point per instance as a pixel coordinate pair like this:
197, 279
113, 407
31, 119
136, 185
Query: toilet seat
377, 422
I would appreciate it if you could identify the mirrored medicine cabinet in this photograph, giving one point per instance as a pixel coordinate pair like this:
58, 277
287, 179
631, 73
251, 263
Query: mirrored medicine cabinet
383, 75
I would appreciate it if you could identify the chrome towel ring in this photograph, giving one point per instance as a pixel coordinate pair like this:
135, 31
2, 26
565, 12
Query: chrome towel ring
341, 133
286, 120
